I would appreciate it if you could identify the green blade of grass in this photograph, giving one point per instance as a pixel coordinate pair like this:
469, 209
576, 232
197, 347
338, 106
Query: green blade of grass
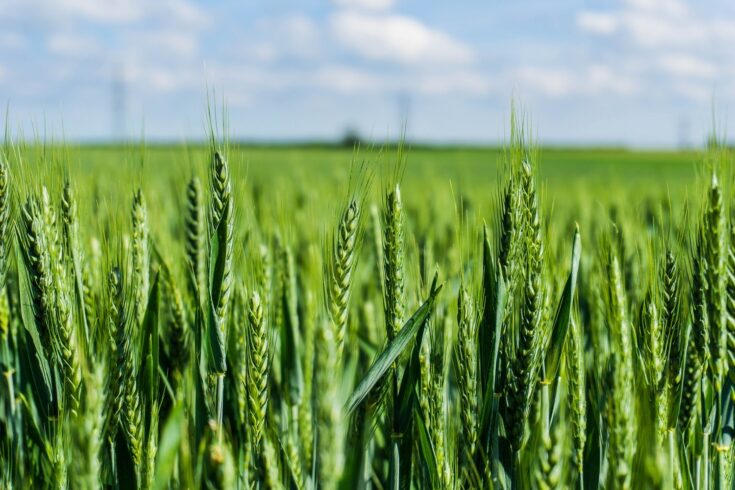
40, 368
489, 404
217, 267
149, 361
391, 352
168, 447
563, 315
426, 447
412, 373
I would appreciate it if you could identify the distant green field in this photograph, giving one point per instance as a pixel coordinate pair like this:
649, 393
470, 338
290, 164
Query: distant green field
437, 178
472, 167
556, 163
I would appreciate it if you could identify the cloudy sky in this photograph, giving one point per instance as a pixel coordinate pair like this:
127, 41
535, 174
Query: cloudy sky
635, 72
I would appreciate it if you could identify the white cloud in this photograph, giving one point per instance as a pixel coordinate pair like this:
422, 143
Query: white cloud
554, 82
70, 44
653, 30
161, 79
349, 80
366, 4
660, 7
447, 82
109, 11
688, 66
397, 38
167, 43
252, 78
104, 12
673, 46
300, 28
352, 80
658, 24
598, 22
260, 52
294, 35
562, 82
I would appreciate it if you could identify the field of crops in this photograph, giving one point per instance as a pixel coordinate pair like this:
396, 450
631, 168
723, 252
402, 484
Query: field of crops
227, 316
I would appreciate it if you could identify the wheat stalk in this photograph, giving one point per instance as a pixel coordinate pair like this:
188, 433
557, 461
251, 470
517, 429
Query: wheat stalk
342, 264
258, 365
195, 230
577, 397
526, 361
697, 343
87, 433
714, 240
178, 327
4, 220
467, 372
127, 410
32, 236
222, 223
394, 262
619, 380
140, 256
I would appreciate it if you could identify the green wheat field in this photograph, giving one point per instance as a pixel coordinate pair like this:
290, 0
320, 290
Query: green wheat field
228, 316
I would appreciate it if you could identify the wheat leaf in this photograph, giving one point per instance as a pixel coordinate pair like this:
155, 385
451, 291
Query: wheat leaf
391, 352
563, 315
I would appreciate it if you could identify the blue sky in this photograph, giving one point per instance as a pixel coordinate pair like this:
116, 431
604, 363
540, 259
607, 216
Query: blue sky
634, 72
